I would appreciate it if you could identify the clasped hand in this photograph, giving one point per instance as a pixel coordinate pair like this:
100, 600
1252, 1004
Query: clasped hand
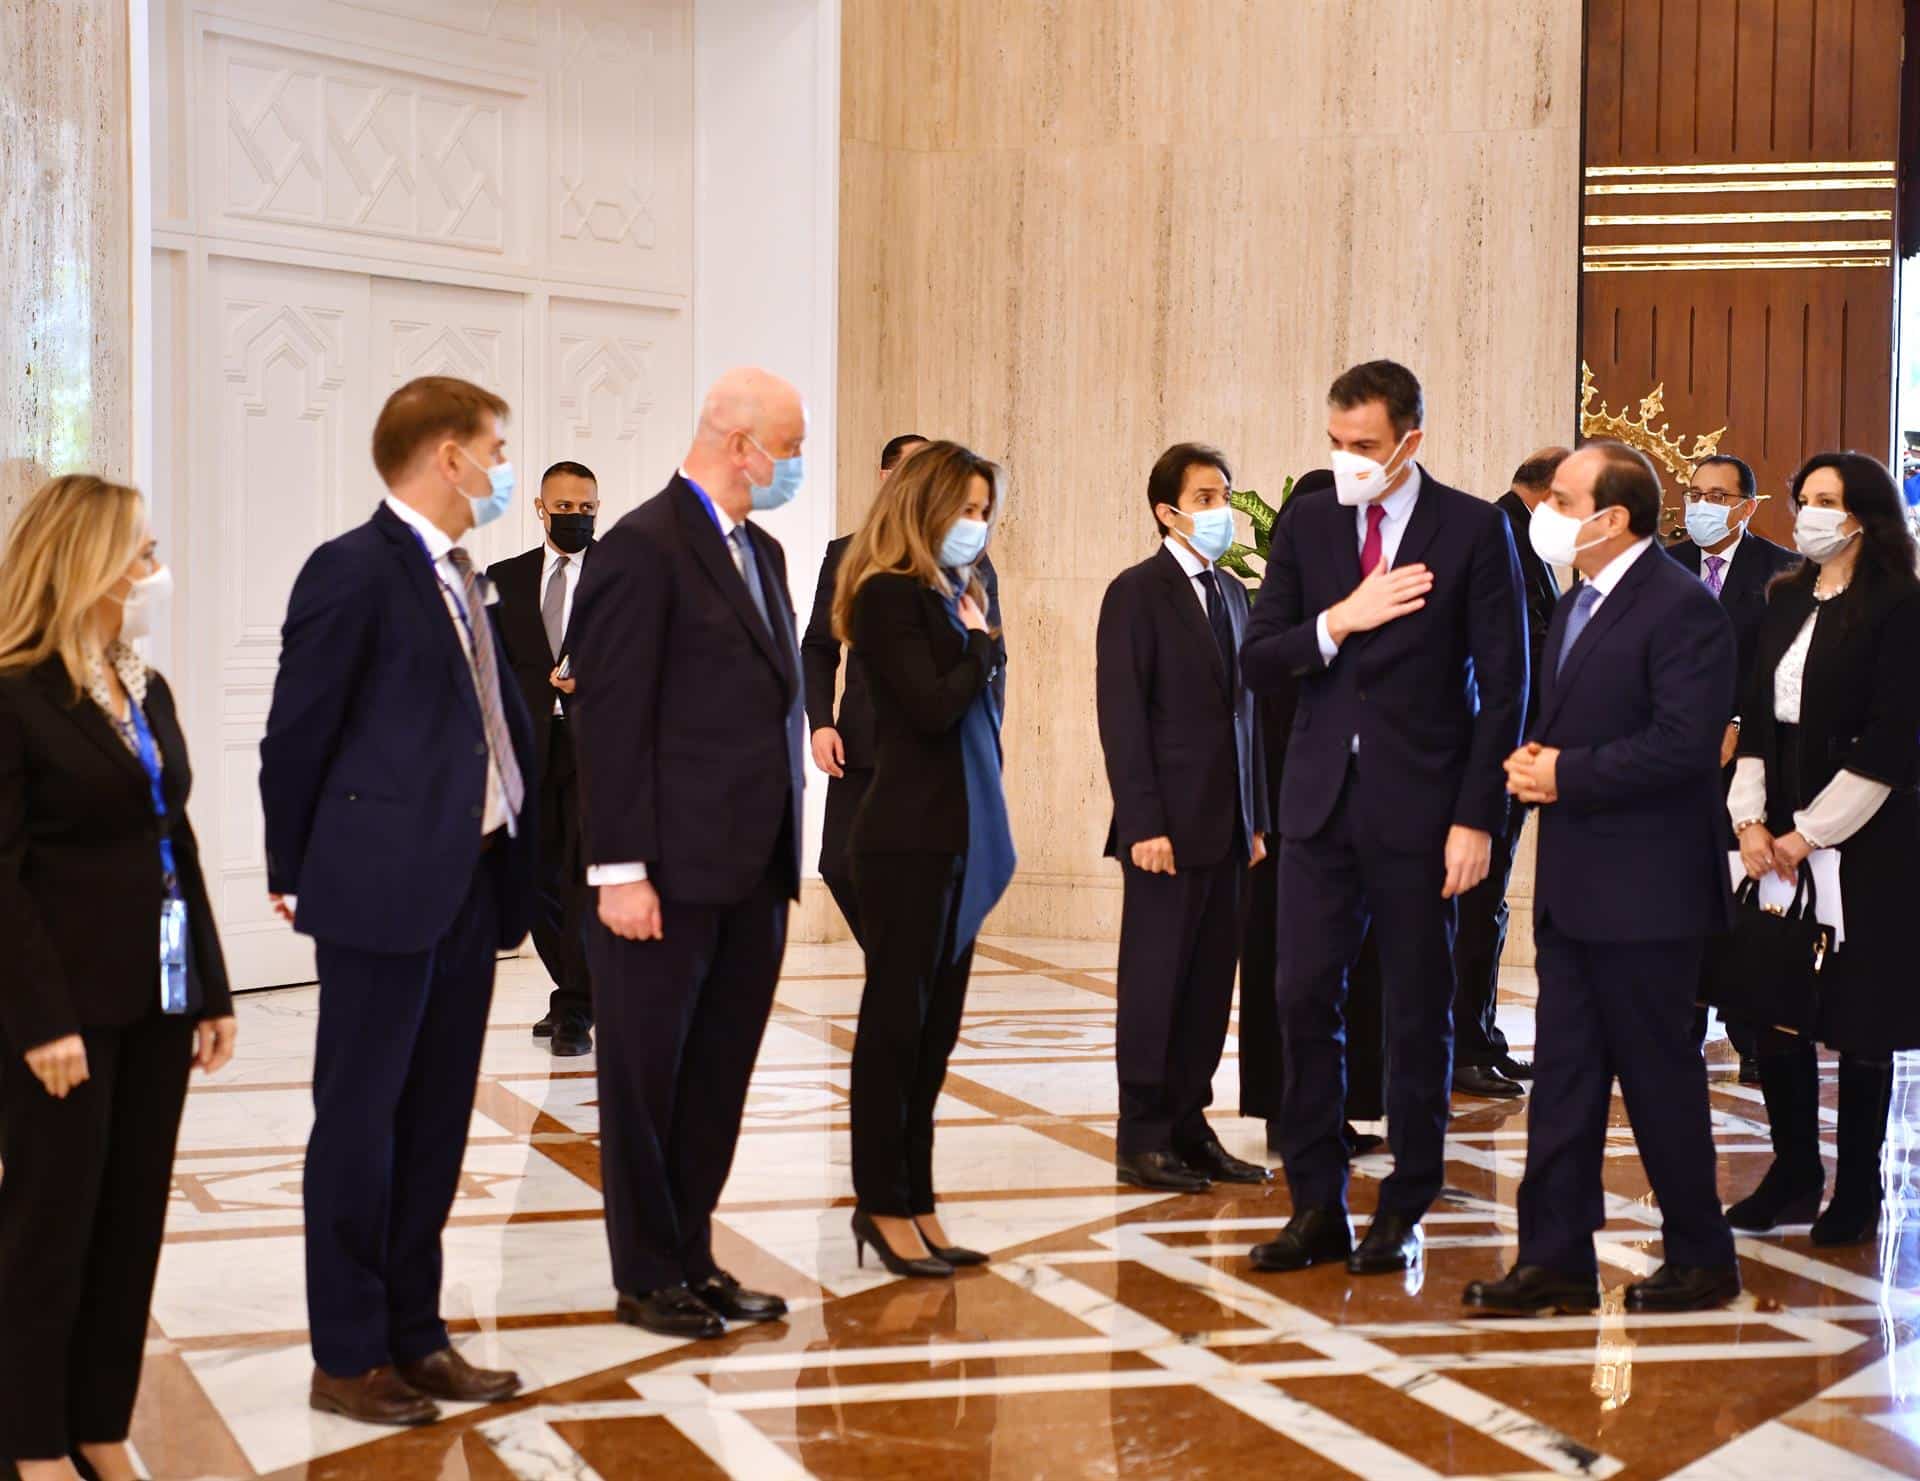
1532, 774
1763, 854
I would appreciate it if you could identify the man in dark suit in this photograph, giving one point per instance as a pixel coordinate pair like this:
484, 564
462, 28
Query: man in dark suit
1182, 746
843, 744
401, 829
1623, 764
1395, 602
1735, 565
536, 603
689, 727
1483, 1063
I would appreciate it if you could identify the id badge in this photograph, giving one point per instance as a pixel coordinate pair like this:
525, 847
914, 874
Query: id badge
173, 956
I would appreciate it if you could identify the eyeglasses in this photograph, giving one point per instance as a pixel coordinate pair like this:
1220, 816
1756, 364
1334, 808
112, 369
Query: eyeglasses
1720, 497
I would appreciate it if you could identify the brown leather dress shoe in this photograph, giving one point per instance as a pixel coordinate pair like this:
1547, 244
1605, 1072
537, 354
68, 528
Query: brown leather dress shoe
378, 1397
447, 1375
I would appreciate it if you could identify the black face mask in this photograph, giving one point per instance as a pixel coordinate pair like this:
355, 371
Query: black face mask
570, 532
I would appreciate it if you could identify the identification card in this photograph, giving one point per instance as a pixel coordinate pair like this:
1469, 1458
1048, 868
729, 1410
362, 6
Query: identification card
173, 956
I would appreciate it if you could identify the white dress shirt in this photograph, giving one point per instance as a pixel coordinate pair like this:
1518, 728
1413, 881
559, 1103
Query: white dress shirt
1398, 506
1608, 576
574, 563
1193, 564
452, 592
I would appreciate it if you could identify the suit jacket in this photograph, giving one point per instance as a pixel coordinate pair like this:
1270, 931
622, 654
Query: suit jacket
80, 878
1633, 849
373, 769
687, 719
1181, 734
820, 657
1743, 594
1435, 698
1538, 586
923, 675
524, 635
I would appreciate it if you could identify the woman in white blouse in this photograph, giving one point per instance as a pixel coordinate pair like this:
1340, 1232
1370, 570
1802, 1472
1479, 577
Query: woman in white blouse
1830, 758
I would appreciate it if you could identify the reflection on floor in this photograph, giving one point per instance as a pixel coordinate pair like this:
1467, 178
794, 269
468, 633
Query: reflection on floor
1116, 1334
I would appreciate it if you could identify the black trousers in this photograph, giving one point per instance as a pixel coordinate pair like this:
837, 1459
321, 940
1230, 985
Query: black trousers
1477, 949
393, 1080
1620, 1009
844, 796
909, 1019
681, 1021
560, 923
1179, 936
1333, 888
83, 1207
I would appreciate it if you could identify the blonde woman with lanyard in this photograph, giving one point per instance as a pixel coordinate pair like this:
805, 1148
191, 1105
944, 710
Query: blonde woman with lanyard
116, 988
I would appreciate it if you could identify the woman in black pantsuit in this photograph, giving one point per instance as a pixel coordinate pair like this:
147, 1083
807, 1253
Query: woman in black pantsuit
97, 1035
1830, 757
930, 844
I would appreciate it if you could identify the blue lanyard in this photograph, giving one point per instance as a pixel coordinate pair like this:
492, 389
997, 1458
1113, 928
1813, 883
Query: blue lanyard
150, 762
459, 601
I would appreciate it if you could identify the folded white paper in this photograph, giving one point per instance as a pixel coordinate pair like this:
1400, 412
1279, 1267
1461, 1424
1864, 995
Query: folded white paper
1777, 893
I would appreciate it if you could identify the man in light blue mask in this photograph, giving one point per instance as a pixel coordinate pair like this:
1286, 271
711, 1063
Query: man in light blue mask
1181, 737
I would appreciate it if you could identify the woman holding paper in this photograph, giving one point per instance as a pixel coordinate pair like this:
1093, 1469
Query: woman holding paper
1830, 758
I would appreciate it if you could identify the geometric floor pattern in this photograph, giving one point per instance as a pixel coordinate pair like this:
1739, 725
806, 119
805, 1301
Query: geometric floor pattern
1116, 1334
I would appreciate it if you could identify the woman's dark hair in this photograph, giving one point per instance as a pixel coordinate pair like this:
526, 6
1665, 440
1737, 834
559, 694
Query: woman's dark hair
1869, 494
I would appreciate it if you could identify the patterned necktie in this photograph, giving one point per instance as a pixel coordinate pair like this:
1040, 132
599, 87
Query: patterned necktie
1217, 618
1371, 548
749, 570
1584, 602
486, 681
553, 608
1716, 572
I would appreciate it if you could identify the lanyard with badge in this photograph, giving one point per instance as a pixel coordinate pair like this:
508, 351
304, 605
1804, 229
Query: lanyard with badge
173, 909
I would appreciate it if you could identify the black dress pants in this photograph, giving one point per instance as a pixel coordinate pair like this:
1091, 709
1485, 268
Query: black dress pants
560, 923
681, 1020
909, 1020
83, 1207
1477, 949
1179, 935
844, 796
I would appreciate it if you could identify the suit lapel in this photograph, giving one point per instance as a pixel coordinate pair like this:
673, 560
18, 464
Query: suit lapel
520, 595
1612, 609
1178, 590
88, 720
417, 568
710, 549
1423, 523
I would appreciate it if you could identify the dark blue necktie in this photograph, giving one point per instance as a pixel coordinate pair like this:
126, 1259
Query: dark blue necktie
749, 571
1217, 619
1584, 602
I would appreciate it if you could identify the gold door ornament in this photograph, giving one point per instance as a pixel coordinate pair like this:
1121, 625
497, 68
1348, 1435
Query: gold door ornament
1666, 450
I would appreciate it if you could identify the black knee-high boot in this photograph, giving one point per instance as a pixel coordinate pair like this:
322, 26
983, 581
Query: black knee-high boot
1790, 1191
1866, 1091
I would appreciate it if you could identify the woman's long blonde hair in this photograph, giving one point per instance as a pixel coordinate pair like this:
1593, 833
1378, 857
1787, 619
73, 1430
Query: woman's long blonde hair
918, 503
70, 546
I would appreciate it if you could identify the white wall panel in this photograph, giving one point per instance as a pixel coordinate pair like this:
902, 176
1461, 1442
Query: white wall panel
620, 386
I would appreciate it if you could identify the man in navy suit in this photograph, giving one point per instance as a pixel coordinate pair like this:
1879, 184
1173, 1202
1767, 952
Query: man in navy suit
1631, 880
689, 726
395, 776
1182, 745
1395, 602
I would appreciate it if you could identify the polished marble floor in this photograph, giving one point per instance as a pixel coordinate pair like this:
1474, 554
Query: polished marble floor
1117, 1334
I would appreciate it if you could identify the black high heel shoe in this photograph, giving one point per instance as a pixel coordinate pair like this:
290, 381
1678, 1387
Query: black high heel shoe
955, 1255
866, 1232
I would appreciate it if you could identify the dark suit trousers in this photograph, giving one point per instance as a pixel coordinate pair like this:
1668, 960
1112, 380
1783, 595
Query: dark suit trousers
909, 1021
560, 923
1332, 887
844, 796
1179, 935
393, 1083
681, 1021
1477, 950
1625, 1009
83, 1206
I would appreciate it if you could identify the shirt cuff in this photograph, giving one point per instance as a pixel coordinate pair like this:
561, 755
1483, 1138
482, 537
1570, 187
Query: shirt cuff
1845, 806
612, 874
1328, 648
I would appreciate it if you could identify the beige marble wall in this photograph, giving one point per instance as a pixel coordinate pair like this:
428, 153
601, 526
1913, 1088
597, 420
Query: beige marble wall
1074, 233
65, 249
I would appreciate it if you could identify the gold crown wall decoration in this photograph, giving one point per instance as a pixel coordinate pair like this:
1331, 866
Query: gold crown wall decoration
1640, 432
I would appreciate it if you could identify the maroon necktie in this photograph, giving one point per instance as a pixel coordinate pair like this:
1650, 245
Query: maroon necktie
1370, 547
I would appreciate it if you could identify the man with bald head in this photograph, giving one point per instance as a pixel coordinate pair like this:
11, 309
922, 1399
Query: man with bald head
689, 728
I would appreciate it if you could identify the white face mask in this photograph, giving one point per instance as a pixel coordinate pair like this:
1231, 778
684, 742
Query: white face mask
144, 607
1816, 533
1555, 536
1358, 480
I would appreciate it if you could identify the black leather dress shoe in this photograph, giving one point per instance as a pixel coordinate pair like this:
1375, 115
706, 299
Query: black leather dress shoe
571, 1039
1479, 1079
1749, 1070
544, 1028
1685, 1288
1513, 1069
1392, 1243
1314, 1236
671, 1311
1532, 1290
1214, 1161
1361, 1143
736, 1303
1160, 1170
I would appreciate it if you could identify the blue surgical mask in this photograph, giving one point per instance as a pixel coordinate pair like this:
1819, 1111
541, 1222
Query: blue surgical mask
964, 541
498, 499
1212, 531
787, 474
1706, 523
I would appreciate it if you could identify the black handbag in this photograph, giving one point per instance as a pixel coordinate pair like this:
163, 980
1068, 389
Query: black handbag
1767, 970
